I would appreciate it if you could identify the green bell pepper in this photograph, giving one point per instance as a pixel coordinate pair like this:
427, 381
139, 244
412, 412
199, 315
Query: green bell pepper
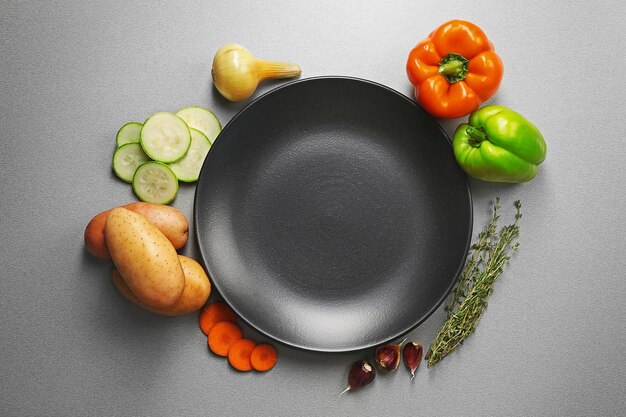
499, 145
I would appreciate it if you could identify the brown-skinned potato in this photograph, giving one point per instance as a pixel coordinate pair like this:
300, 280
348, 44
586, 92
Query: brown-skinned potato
196, 292
145, 258
169, 220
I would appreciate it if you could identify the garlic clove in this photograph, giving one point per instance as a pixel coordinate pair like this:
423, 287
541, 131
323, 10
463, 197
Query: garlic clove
412, 355
387, 357
361, 374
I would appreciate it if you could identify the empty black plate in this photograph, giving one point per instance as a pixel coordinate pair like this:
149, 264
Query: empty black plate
331, 215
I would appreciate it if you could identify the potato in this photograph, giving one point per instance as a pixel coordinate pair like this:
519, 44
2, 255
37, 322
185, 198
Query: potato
145, 258
195, 295
94, 236
170, 221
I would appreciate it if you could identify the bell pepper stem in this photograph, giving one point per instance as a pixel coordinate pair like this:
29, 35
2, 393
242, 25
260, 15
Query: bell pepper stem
453, 67
476, 136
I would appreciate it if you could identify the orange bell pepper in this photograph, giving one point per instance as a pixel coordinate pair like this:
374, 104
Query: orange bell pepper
454, 70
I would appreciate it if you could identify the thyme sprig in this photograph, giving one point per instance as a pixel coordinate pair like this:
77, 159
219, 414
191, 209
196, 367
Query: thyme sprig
485, 262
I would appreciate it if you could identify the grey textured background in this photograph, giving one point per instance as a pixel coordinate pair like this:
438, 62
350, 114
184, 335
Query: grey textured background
71, 73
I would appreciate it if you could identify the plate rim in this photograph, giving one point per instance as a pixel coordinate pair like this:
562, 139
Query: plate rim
365, 346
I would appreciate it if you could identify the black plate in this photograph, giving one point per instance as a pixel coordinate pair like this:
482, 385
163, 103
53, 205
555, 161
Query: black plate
331, 214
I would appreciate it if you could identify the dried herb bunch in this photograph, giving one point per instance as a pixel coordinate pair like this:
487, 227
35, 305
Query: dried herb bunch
486, 261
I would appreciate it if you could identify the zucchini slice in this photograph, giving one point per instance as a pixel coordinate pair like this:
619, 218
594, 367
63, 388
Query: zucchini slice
127, 158
201, 119
165, 137
129, 133
188, 168
155, 182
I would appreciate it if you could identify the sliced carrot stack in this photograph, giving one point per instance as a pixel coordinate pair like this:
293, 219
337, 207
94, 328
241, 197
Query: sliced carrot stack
225, 338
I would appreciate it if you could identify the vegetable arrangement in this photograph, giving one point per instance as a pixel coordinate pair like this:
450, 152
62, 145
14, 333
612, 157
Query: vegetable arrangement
225, 338
141, 239
453, 71
486, 261
386, 358
165, 149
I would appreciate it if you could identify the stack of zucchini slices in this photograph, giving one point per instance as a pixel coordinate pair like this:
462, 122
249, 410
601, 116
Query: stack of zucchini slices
165, 149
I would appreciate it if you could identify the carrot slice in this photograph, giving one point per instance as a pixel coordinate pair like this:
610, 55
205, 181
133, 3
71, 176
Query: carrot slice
239, 354
214, 313
263, 357
221, 337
